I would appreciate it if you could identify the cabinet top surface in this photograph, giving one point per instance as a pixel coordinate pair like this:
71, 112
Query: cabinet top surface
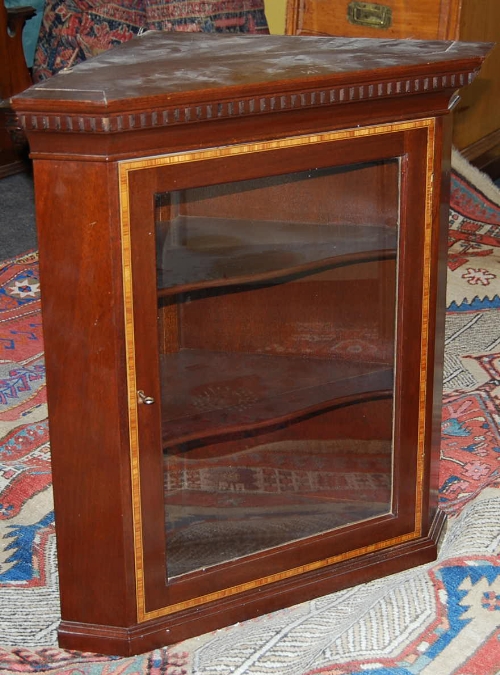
175, 67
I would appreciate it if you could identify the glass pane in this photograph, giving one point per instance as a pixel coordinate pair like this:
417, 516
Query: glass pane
277, 312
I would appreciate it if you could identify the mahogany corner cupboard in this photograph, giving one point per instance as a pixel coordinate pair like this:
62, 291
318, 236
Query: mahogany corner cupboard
242, 248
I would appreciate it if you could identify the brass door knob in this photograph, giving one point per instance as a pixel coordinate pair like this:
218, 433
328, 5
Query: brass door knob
147, 400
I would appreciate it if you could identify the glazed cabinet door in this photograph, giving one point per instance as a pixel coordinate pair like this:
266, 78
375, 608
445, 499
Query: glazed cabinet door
277, 304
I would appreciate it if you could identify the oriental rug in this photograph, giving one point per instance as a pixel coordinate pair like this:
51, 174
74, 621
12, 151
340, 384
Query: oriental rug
75, 30
439, 619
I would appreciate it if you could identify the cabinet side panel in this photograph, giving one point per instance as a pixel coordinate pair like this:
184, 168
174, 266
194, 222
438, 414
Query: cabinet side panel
433, 310
441, 210
83, 333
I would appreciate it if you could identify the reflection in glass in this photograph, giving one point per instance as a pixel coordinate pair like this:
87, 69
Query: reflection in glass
276, 306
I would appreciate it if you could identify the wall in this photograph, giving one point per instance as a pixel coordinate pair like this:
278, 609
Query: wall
275, 13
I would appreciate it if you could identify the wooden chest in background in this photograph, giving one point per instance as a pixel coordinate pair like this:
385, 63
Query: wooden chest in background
477, 117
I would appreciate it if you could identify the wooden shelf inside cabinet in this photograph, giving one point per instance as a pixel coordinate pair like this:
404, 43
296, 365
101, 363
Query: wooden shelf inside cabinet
243, 383
203, 253
210, 394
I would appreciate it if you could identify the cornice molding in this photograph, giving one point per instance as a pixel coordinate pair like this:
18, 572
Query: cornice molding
168, 116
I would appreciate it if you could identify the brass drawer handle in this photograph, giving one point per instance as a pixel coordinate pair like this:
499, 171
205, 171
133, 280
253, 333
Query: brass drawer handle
369, 14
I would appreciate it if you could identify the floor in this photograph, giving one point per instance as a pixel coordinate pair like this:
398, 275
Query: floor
17, 216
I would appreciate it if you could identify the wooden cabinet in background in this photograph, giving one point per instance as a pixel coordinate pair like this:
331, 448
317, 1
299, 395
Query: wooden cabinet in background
476, 123
14, 77
243, 305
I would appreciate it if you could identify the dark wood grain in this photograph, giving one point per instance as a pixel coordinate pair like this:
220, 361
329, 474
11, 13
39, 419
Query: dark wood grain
172, 67
84, 354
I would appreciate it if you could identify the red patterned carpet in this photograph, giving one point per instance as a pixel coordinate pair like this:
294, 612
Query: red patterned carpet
75, 30
439, 619
470, 447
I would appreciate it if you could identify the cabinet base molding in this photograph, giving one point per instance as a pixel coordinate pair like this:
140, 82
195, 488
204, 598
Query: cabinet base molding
148, 635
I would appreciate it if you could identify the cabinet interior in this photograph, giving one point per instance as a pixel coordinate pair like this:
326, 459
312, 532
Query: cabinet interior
276, 321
